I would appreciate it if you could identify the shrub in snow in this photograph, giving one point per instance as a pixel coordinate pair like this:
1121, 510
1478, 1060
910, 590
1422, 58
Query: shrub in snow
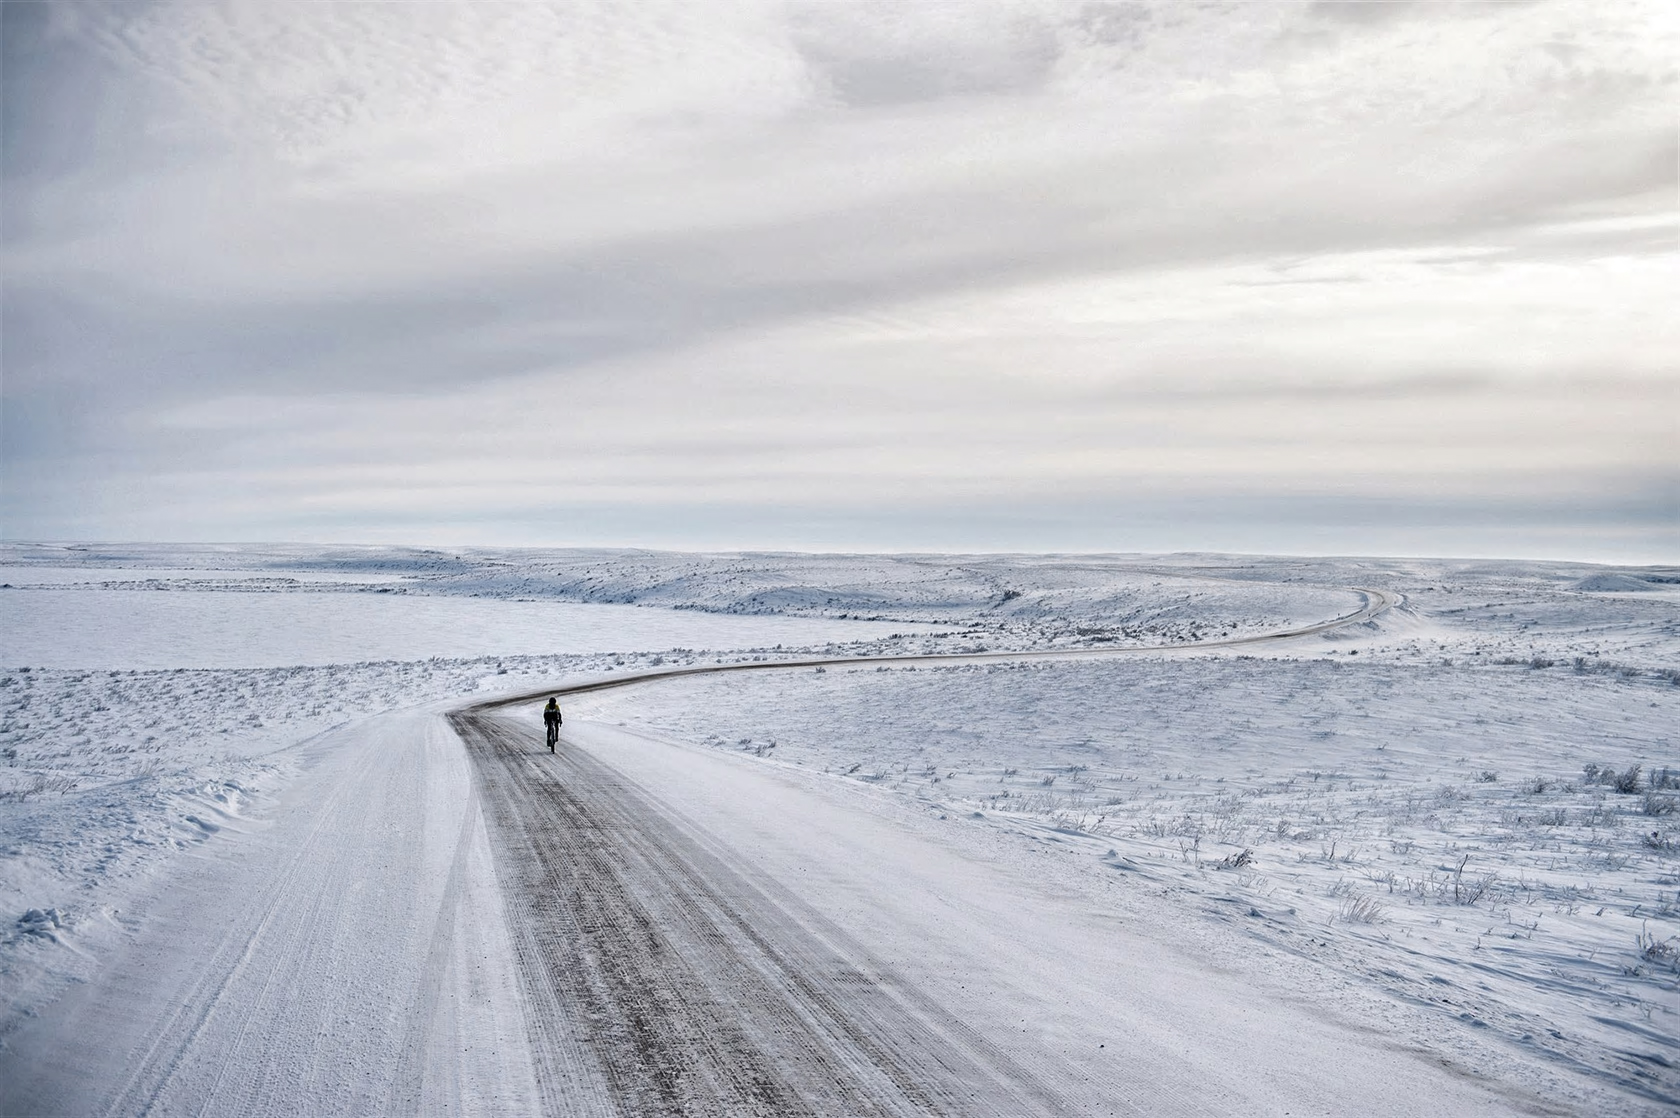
1360, 910
1659, 952
1657, 804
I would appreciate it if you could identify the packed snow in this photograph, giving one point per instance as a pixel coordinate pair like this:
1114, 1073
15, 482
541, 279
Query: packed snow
1466, 808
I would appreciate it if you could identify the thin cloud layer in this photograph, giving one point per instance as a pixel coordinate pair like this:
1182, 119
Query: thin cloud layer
812, 275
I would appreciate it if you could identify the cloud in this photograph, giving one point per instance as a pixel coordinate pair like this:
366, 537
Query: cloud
319, 253
874, 56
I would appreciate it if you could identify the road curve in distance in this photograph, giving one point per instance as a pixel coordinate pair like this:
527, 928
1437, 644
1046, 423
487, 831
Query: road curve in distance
1376, 602
659, 980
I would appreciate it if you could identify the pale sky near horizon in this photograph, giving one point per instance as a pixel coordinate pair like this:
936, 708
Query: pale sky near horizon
1356, 278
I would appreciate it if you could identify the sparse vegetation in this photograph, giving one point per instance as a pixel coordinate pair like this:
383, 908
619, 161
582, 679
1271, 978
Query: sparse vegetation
1655, 803
1360, 910
1663, 953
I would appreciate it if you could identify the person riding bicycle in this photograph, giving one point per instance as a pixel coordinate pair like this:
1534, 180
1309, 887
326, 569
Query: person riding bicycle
551, 719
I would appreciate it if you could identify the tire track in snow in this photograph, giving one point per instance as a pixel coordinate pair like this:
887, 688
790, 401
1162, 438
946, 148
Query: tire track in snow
419, 1046
662, 982
154, 1072
342, 958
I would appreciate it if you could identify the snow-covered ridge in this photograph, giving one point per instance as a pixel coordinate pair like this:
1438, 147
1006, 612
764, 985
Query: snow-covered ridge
1017, 600
1072, 589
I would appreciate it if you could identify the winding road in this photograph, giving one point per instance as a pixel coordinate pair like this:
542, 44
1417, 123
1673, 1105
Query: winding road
662, 981
1376, 602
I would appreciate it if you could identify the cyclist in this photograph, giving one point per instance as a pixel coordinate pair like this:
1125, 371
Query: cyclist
551, 719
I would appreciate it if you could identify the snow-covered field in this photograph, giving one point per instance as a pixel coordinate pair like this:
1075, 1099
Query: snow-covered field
1465, 809
147, 630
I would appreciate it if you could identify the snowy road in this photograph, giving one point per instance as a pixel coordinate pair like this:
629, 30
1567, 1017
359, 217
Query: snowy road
662, 981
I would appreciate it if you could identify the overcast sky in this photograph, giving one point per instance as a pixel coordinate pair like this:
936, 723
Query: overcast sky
1392, 278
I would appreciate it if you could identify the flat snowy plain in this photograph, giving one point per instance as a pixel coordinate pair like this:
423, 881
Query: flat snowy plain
1427, 863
